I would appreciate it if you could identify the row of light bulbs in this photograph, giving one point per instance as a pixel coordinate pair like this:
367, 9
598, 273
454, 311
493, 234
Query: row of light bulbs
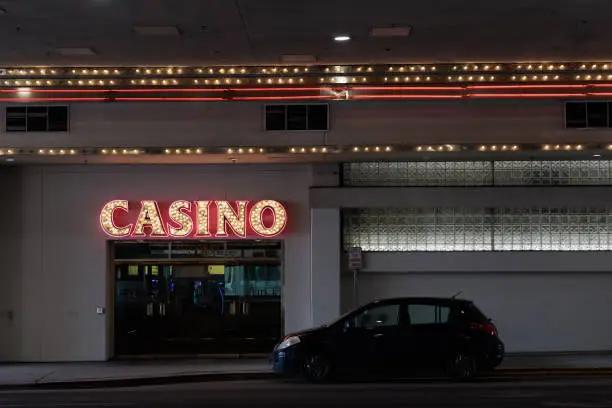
293, 150
297, 81
254, 70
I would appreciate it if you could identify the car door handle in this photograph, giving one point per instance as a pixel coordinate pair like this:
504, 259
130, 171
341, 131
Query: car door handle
377, 335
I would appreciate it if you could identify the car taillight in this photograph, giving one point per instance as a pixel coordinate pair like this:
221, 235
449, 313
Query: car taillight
488, 328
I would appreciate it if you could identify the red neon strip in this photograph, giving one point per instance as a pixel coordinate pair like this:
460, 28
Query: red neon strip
162, 89
523, 95
525, 86
601, 85
32, 90
148, 90
406, 88
416, 96
161, 98
51, 99
599, 94
281, 89
281, 98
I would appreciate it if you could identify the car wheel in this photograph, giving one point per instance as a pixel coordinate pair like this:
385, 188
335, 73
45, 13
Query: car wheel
463, 367
316, 368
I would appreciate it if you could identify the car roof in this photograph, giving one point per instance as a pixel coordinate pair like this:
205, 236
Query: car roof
429, 299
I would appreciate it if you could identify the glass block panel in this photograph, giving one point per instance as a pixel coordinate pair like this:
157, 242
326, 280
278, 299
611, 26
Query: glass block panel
408, 174
552, 172
478, 173
417, 229
477, 229
552, 229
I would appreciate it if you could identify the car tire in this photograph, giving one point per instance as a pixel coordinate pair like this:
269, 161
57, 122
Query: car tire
463, 367
316, 368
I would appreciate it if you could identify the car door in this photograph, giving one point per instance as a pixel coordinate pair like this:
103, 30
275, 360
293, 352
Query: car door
371, 338
431, 334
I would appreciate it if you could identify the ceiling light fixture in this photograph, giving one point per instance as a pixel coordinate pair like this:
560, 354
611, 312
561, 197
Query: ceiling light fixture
75, 51
342, 38
391, 31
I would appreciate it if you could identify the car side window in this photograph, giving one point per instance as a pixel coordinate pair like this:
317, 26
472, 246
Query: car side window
428, 314
378, 316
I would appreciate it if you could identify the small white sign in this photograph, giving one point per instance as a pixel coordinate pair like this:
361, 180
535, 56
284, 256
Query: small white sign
355, 258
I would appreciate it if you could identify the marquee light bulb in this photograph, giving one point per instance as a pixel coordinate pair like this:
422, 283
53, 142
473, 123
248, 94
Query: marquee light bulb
235, 219
149, 216
107, 218
178, 216
256, 218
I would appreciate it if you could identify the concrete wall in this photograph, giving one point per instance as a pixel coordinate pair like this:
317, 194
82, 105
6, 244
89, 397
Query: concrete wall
11, 317
64, 274
364, 122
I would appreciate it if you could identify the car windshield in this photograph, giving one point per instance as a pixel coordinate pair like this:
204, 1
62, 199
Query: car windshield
335, 321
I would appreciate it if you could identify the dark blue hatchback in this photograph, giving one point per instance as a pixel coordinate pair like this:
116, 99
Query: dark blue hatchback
395, 338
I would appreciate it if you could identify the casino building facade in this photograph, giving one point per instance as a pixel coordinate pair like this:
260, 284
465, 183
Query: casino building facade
216, 221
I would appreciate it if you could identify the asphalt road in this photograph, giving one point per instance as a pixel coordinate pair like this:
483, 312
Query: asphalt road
584, 392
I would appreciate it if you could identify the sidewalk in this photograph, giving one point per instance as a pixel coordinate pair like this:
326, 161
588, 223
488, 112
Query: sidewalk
163, 371
130, 372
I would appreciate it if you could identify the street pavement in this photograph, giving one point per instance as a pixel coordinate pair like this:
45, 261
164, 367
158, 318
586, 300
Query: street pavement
575, 392
168, 371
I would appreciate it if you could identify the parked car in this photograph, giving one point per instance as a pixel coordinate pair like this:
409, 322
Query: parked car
395, 338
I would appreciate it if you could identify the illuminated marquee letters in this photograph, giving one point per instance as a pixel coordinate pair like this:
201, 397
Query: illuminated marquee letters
265, 218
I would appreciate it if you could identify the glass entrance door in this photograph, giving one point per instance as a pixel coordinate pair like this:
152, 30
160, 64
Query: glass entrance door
190, 308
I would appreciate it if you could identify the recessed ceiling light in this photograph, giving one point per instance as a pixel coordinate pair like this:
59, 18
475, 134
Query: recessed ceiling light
597, 155
157, 31
75, 51
341, 38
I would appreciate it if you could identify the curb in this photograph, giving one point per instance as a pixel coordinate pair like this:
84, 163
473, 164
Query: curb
551, 372
137, 382
253, 376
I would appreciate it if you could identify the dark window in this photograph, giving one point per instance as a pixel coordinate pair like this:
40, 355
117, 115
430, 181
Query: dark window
276, 117
318, 117
575, 115
16, 119
471, 313
37, 118
428, 314
58, 118
597, 114
378, 316
297, 117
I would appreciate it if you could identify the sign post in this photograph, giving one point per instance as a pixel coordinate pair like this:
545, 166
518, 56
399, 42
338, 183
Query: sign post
355, 263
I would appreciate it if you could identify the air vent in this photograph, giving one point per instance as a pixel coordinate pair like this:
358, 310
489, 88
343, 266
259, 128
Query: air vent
587, 115
157, 31
37, 118
297, 117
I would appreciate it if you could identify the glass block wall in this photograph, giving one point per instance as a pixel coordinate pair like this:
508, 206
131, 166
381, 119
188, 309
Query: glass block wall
462, 229
478, 173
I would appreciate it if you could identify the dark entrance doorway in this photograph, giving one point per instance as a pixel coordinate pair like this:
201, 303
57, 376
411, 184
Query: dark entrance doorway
197, 297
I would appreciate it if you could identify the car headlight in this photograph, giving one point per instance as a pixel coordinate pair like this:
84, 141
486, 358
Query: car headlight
288, 342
